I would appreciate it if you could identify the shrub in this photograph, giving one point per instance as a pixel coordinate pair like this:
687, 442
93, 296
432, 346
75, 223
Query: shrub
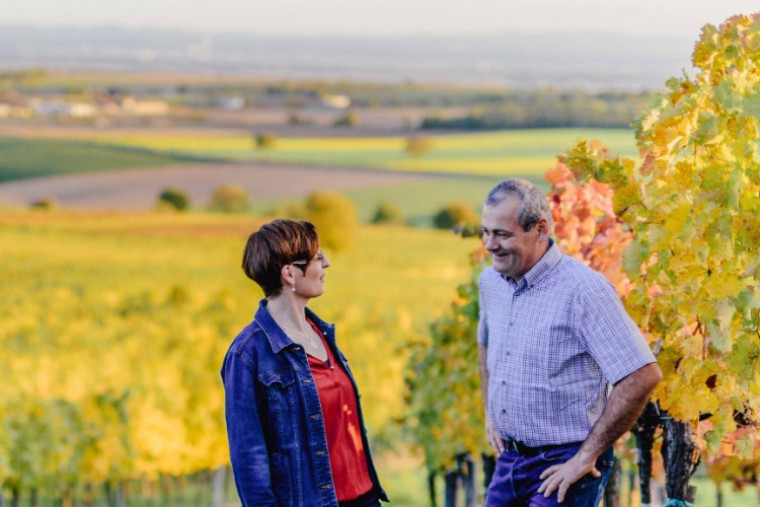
230, 199
417, 145
350, 119
265, 140
335, 217
44, 204
295, 210
387, 213
174, 198
458, 215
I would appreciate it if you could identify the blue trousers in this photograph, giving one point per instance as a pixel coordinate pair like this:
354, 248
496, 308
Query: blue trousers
516, 479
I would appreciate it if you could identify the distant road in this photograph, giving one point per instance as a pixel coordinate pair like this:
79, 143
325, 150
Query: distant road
138, 189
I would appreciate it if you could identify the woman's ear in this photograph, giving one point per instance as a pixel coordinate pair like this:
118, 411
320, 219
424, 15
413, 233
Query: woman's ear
287, 275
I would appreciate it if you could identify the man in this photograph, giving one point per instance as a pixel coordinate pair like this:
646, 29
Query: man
553, 337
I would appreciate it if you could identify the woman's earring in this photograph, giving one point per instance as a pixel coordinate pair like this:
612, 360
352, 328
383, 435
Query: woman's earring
293, 287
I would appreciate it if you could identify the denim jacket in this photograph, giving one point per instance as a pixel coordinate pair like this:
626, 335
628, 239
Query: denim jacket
275, 425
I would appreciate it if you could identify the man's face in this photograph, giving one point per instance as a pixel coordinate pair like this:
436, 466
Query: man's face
514, 250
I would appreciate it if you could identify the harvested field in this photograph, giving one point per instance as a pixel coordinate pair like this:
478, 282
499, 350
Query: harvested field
138, 189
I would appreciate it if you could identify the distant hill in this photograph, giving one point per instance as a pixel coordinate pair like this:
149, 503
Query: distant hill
591, 60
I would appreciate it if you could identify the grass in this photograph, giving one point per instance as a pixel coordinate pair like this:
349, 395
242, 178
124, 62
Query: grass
420, 201
406, 476
417, 201
31, 158
503, 153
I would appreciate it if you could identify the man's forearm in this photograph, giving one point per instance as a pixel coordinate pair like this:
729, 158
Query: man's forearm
624, 406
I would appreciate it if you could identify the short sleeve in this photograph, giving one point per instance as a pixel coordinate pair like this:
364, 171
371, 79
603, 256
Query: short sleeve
612, 338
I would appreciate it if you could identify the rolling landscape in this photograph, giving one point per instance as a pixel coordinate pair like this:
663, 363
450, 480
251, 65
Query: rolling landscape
135, 162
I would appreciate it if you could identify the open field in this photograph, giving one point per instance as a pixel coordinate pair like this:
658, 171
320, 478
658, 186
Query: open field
496, 154
369, 170
417, 201
147, 304
505, 153
138, 189
31, 158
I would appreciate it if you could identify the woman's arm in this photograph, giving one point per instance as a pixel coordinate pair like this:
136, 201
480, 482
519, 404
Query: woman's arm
248, 451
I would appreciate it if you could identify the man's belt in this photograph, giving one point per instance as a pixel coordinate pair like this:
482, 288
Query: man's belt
526, 450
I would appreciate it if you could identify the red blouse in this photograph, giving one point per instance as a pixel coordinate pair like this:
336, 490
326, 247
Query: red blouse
341, 416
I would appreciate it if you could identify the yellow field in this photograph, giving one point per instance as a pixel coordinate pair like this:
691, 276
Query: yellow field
524, 152
132, 314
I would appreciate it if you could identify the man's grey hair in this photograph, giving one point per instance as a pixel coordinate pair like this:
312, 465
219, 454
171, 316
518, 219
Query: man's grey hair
533, 203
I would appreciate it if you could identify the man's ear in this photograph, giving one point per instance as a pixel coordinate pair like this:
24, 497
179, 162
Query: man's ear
542, 227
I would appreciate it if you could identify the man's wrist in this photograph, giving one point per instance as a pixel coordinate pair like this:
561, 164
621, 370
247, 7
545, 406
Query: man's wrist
586, 456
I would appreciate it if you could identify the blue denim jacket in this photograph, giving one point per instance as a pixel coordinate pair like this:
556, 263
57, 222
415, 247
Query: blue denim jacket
275, 425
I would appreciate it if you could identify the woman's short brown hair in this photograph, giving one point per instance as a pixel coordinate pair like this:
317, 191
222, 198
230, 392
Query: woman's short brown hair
277, 244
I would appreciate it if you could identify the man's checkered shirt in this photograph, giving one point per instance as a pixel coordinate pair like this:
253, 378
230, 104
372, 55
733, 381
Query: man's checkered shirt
556, 341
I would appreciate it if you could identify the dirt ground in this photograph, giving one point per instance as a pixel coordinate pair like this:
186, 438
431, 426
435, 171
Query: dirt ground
138, 189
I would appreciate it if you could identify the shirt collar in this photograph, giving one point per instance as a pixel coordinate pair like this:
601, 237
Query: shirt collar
278, 340
551, 258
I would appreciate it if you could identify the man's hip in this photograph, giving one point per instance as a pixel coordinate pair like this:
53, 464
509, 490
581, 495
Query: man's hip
517, 477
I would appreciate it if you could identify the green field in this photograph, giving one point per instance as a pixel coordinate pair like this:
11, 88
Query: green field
417, 201
31, 158
503, 153
476, 161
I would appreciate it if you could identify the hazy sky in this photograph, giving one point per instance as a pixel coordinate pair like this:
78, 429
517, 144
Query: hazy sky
383, 17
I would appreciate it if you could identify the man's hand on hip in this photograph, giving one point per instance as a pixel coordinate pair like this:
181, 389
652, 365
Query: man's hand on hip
560, 477
494, 439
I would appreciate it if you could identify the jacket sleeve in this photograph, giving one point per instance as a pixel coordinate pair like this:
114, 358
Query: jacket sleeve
248, 450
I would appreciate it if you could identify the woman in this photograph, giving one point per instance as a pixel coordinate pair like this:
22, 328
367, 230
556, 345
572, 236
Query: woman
294, 422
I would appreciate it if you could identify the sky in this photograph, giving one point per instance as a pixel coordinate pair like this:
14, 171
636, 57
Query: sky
383, 17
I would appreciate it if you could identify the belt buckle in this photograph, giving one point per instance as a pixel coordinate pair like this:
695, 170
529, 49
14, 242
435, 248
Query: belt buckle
511, 443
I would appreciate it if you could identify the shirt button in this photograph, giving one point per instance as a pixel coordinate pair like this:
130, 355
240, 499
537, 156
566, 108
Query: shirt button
503, 382
511, 324
326, 486
315, 416
307, 381
320, 453
503, 411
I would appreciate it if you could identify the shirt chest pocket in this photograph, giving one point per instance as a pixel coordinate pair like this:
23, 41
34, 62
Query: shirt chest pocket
562, 346
281, 404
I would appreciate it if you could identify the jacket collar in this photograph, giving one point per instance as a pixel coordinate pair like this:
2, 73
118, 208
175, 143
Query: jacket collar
278, 340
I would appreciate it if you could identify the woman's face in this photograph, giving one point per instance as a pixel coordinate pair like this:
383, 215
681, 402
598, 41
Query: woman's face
310, 281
